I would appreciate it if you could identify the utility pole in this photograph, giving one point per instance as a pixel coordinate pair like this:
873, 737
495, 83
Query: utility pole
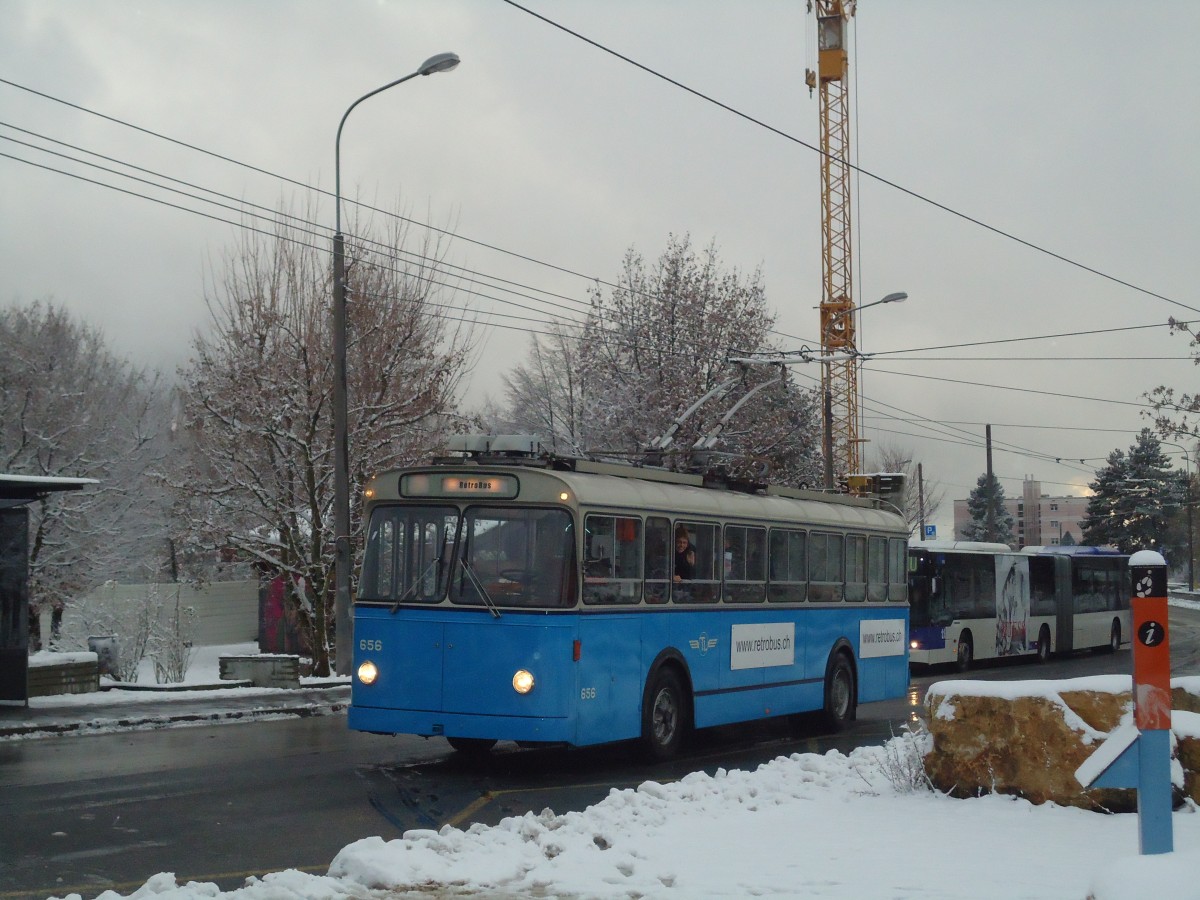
991, 489
921, 498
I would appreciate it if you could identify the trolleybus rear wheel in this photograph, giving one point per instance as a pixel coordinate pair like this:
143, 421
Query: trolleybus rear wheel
664, 715
1043, 644
841, 704
1114, 637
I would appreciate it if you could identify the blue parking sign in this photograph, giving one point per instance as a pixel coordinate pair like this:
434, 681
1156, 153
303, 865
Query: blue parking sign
930, 531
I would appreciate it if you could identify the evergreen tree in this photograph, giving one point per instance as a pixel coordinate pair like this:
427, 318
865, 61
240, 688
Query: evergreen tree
985, 497
1135, 502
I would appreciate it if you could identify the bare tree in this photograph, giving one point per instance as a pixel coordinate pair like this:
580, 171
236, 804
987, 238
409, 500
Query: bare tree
891, 458
70, 407
548, 395
652, 346
1177, 413
257, 400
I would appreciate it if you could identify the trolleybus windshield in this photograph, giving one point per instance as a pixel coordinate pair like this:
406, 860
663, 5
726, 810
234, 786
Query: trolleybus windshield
408, 553
515, 557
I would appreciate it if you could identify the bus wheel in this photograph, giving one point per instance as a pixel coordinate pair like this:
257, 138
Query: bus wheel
1114, 637
841, 705
1043, 645
966, 652
664, 715
475, 748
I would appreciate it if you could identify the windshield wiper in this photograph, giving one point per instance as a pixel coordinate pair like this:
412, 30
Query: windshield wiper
483, 592
412, 587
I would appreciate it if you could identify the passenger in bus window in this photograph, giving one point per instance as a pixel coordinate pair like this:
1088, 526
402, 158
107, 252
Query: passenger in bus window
685, 556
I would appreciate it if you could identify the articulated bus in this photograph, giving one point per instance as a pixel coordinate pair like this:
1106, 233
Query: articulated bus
977, 601
546, 600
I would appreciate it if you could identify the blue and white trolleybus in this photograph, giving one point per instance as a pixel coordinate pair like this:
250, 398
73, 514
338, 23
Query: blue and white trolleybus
519, 596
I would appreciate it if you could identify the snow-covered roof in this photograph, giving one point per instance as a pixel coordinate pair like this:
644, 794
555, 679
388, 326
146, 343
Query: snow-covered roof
18, 489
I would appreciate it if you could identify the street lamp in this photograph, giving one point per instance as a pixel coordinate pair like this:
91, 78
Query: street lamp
835, 336
343, 558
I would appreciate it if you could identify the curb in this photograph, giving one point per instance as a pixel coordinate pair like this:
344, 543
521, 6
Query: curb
150, 722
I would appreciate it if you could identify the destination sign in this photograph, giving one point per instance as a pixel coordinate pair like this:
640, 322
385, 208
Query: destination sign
459, 484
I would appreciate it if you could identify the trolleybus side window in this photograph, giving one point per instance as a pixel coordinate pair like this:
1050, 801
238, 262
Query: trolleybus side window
856, 567
825, 566
704, 585
658, 559
877, 583
407, 554
1041, 586
612, 568
789, 568
745, 564
897, 571
515, 557
970, 586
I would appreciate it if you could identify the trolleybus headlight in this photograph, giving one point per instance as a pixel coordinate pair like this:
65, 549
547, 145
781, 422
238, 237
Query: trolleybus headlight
914, 645
523, 681
367, 672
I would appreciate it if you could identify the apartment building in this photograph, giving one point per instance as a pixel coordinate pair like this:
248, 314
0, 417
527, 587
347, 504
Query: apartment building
1038, 519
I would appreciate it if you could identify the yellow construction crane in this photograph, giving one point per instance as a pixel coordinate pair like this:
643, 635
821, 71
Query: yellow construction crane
839, 371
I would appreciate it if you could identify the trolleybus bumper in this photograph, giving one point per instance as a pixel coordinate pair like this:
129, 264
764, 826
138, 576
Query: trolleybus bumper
428, 724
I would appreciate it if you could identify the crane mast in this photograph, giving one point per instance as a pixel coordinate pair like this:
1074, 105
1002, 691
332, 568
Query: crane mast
839, 371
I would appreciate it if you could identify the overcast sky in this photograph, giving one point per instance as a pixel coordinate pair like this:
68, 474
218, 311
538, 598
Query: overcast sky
1073, 126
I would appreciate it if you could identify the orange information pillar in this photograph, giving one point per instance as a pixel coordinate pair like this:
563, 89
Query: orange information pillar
1151, 643
1152, 699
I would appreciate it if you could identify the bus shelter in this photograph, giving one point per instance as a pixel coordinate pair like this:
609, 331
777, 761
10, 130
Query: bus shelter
16, 492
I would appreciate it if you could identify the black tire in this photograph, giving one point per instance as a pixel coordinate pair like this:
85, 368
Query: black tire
1043, 645
665, 715
1114, 637
841, 695
475, 748
966, 652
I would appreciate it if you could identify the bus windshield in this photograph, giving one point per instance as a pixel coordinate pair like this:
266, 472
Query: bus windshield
407, 554
515, 557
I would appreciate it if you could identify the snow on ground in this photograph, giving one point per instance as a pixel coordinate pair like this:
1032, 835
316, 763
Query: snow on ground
203, 669
805, 826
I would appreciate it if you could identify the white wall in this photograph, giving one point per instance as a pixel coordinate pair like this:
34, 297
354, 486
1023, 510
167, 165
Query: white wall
226, 611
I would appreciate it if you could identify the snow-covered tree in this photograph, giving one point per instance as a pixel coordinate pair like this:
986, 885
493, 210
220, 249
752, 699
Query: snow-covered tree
651, 347
985, 502
548, 396
1136, 500
70, 407
256, 409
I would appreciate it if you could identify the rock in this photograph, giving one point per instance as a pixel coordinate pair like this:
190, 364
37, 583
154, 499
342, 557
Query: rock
1028, 738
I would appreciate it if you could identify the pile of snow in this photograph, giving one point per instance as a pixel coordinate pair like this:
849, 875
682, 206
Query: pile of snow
808, 825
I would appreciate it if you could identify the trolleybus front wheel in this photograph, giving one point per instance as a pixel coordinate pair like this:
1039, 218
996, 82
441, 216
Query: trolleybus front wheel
1114, 637
841, 704
664, 715
966, 652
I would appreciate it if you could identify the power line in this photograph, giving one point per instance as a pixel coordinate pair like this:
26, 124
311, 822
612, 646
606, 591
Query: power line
1004, 387
853, 166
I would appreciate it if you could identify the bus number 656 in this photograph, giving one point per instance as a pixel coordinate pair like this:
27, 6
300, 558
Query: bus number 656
368, 645
587, 694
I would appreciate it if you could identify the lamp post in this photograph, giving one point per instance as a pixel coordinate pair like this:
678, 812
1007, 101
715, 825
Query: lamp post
343, 557
836, 329
1187, 499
